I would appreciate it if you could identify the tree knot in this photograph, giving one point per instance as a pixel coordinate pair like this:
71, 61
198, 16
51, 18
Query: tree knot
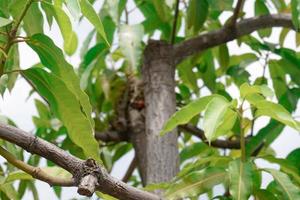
89, 177
31, 146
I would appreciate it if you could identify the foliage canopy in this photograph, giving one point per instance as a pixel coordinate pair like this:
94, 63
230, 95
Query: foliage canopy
81, 106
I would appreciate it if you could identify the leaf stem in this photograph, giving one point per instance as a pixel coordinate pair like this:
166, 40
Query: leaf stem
242, 137
11, 37
15, 29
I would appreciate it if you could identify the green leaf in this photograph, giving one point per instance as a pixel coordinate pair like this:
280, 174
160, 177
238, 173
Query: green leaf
196, 14
207, 70
279, 4
89, 12
196, 183
226, 124
243, 60
296, 13
9, 191
65, 26
220, 5
193, 150
240, 176
112, 8
57, 172
130, 38
161, 9
264, 195
42, 109
202, 162
186, 113
33, 21
52, 57
283, 35
17, 175
4, 21
290, 191
262, 9
286, 166
12, 63
214, 116
265, 135
277, 112
65, 105
48, 11
278, 77
74, 8
186, 74
294, 158
86, 43
291, 67
246, 89
224, 57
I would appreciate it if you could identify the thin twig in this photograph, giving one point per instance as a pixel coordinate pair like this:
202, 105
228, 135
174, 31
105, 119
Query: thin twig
242, 134
130, 170
173, 36
36, 172
236, 12
224, 144
15, 29
126, 15
12, 35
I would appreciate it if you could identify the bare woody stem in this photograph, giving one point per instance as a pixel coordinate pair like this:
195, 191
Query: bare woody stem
11, 36
224, 144
226, 34
242, 133
36, 172
236, 12
78, 168
173, 36
130, 170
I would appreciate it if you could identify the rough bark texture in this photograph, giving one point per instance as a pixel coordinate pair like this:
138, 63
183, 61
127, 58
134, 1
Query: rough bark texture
159, 158
82, 171
226, 34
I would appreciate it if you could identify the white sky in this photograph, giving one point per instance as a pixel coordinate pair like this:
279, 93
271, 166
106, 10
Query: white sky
16, 105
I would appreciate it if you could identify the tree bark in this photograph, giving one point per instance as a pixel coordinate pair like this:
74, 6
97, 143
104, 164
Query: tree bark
84, 173
226, 34
158, 156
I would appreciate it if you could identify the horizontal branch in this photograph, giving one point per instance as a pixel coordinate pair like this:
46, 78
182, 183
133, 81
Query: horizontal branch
36, 172
81, 170
111, 136
225, 144
226, 34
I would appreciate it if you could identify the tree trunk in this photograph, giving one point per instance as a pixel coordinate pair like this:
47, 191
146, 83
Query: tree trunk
158, 156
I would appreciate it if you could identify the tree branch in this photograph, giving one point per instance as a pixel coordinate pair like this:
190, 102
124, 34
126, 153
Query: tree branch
226, 34
173, 36
11, 36
225, 144
236, 12
130, 170
111, 136
81, 170
36, 172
